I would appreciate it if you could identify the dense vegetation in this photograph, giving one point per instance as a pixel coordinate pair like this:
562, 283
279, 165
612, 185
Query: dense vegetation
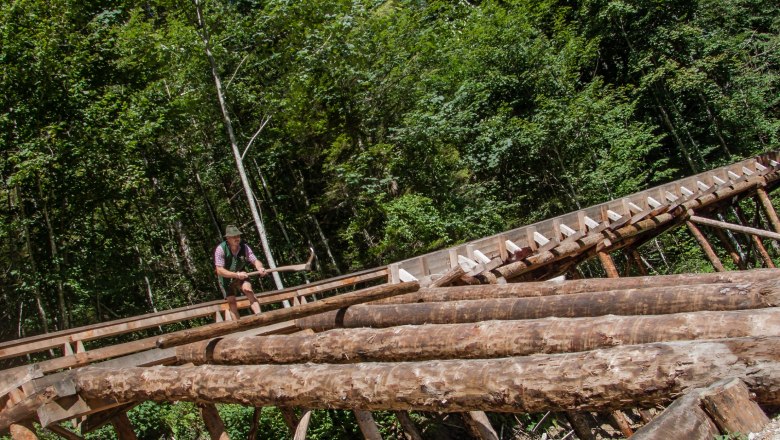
389, 129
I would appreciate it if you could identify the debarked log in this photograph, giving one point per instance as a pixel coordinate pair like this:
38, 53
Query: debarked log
281, 315
486, 339
598, 380
715, 297
550, 288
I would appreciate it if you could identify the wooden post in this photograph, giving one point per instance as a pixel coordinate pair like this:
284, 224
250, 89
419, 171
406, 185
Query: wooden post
303, 425
123, 427
213, 421
705, 245
742, 265
769, 209
622, 423
258, 411
410, 431
479, 425
367, 425
756, 240
608, 264
640, 265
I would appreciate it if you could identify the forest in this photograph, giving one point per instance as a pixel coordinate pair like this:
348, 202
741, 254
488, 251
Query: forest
370, 130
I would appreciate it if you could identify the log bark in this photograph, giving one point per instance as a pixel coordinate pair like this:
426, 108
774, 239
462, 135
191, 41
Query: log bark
487, 339
286, 314
683, 419
549, 288
23, 431
617, 302
730, 406
598, 380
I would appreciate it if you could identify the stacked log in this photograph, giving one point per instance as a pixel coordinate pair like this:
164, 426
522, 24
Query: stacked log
562, 347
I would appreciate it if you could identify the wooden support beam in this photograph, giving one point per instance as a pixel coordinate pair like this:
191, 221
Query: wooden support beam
705, 246
757, 243
479, 426
281, 315
253, 428
213, 421
619, 302
26, 408
64, 433
608, 264
367, 425
769, 209
302, 427
730, 249
123, 427
486, 339
733, 227
582, 424
410, 430
627, 376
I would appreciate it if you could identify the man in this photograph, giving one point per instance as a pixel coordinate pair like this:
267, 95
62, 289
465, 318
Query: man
231, 258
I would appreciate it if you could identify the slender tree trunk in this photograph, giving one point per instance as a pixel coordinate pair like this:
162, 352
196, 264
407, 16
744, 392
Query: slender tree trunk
204, 34
55, 258
619, 377
33, 266
323, 238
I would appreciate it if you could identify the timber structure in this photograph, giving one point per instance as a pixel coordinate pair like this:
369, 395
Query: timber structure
473, 329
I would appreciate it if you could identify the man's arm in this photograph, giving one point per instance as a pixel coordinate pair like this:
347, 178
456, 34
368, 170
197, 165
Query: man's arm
224, 273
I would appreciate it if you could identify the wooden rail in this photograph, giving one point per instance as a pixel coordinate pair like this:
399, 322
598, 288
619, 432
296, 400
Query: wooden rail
548, 234
73, 339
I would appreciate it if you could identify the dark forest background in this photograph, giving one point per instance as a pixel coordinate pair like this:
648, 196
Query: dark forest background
389, 129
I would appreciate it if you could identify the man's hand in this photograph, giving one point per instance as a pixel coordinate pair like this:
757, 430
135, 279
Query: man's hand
262, 271
241, 275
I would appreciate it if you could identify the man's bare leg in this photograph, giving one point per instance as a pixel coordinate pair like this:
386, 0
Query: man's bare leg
253, 304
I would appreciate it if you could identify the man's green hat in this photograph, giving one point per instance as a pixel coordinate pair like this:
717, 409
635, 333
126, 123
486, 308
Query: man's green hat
232, 231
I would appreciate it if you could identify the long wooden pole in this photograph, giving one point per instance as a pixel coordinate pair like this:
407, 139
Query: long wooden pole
486, 339
769, 209
547, 288
617, 302
705, 246
281, 315
733, 227
620, 377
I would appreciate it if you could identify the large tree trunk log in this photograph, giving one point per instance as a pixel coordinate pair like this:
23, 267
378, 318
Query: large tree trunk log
617, 302
598, 380
286, 314
550, 288
487, 339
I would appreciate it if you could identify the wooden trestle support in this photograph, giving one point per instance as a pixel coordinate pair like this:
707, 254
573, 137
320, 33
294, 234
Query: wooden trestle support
472, 330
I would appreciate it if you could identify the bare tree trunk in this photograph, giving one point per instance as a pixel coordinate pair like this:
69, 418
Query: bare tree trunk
486, 339
204, 34
55, 258
33, 265
619, 377
302, 191
619, 302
